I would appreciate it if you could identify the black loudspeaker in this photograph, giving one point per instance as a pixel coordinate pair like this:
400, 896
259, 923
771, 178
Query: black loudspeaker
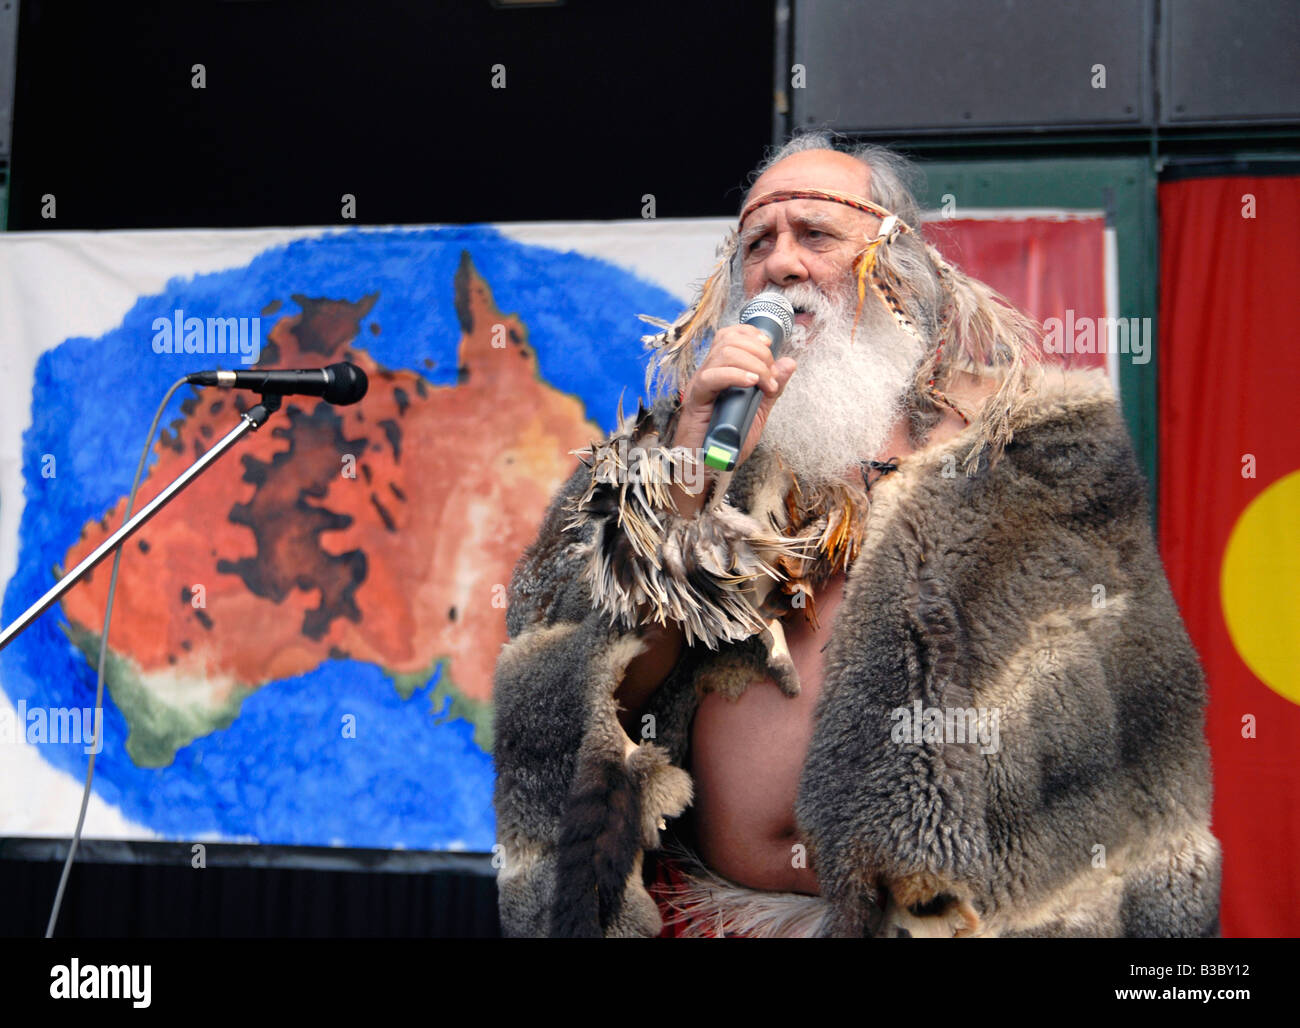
958, 65
1229, 62
8, 58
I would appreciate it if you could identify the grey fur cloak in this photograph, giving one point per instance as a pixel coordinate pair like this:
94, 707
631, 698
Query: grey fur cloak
1031, 588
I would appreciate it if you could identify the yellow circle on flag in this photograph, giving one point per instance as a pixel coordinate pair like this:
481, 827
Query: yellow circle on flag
1260, 586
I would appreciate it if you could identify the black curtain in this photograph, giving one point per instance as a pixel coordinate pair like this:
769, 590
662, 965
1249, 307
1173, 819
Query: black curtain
145, 900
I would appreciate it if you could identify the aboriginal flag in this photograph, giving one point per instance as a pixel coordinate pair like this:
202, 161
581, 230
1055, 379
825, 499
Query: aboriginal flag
1229, 387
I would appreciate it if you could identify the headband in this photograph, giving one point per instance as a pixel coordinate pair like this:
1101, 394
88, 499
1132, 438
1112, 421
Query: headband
891, 224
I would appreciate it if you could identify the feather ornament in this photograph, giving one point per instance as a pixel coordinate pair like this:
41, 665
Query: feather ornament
649, 564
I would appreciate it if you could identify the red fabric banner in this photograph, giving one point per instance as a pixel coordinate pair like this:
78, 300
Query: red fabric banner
1049, 267
1230, 513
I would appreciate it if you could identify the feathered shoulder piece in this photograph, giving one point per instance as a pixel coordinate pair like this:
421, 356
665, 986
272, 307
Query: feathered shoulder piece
648, 563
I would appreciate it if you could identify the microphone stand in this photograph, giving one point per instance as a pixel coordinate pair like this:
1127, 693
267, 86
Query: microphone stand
250, 421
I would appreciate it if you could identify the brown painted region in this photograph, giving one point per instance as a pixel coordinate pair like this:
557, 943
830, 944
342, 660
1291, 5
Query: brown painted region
395, 566
288, 526
326, 326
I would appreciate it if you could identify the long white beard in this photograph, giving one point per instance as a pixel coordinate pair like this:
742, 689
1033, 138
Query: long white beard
846, 396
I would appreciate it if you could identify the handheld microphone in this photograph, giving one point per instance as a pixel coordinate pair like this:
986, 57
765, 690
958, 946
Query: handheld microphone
340, 383
734, 409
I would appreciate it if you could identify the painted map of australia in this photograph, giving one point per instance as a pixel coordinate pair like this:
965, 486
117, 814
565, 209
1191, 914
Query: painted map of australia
303, 640
383, 532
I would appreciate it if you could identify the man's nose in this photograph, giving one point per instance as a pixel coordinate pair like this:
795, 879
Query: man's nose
784, 265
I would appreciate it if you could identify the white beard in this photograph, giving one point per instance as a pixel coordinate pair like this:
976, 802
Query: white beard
845, 398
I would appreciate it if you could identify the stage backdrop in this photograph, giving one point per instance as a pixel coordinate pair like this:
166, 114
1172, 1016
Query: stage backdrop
1230, 513
303, 642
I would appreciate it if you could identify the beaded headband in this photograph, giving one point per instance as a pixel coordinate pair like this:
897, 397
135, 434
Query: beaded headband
848, 199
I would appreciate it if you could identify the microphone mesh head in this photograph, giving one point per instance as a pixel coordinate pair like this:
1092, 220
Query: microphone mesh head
347, 384
774, 306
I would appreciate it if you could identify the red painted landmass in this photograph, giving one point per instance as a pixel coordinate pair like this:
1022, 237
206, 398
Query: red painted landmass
398, 566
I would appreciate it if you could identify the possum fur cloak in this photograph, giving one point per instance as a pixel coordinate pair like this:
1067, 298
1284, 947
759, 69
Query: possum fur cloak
1031, 588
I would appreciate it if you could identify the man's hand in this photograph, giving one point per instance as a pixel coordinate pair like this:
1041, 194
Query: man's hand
740, 356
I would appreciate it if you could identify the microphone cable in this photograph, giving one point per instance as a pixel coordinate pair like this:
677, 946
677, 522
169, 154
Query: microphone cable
103, 656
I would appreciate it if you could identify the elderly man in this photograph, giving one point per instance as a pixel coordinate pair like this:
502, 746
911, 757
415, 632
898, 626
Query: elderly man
912, 668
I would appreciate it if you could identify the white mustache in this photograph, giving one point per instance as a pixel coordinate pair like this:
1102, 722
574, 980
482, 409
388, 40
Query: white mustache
808, 298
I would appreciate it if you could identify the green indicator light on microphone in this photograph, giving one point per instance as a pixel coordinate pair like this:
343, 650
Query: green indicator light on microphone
717, 457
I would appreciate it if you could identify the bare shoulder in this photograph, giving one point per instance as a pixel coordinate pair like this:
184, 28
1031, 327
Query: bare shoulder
968, 392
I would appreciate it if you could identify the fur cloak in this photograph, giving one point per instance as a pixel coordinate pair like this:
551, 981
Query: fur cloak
1031, 588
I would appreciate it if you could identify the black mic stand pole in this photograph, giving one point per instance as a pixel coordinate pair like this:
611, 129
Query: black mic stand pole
250, 421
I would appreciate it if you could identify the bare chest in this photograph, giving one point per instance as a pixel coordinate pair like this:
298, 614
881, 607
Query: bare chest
746, 758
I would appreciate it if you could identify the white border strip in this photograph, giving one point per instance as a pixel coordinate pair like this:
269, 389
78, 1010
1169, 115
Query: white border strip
1110, 271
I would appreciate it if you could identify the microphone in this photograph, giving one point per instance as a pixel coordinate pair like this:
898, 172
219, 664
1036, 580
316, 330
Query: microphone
734, 409
340, 383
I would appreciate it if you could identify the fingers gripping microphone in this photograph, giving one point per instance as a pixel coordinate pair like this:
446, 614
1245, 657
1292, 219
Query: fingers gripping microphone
340, 383
734, 409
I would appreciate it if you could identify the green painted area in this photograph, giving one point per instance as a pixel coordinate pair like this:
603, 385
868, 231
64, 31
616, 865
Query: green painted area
476, 712
1125, 189
717, 457
156, 730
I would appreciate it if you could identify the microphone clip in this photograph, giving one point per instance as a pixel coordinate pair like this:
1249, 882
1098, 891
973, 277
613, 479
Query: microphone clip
267, 404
